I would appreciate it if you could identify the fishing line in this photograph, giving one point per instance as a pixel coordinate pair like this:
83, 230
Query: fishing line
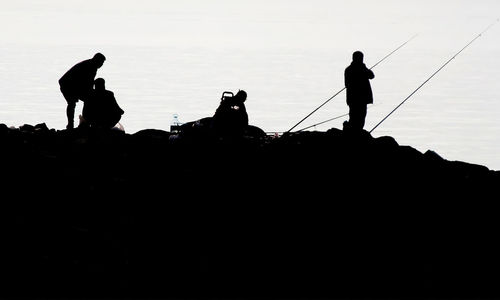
332, 119
344, 87
314, 125
427, 80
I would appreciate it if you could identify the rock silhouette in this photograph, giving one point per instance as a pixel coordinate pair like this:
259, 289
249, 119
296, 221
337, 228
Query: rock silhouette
102, 213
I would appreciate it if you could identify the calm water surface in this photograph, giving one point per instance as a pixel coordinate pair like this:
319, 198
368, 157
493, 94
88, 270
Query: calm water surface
177, 57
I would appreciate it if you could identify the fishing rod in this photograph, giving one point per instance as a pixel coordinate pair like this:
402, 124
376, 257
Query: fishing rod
344, 86
332, 119
314, 125
438, 70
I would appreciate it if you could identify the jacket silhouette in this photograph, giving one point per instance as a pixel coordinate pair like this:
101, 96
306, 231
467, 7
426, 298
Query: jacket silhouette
358, 90
101, 109
231, 118
76, 84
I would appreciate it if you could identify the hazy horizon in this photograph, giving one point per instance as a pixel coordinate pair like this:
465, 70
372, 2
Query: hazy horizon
166, 57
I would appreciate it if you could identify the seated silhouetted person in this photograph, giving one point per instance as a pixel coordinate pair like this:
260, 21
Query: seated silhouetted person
101, 109
76, 84
231, 118
358, 91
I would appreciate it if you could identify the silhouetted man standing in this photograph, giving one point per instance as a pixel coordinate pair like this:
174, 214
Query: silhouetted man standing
77, 83
359, 92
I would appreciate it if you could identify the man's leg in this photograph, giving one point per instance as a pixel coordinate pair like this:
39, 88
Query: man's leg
70, 114
357, 115
354, 121
362, 116
70, 109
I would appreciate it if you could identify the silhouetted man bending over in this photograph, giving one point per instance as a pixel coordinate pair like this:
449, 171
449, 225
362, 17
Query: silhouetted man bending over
359, 92
101, 109
76, 84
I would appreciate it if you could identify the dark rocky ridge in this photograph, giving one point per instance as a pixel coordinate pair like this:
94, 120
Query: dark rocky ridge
311, 214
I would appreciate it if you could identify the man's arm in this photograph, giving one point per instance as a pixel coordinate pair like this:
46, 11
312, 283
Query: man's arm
370, 74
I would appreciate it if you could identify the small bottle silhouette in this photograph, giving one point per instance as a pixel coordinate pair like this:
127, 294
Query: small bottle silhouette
175, 125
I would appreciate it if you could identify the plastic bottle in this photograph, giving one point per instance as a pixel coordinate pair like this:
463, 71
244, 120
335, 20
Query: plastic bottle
175, 125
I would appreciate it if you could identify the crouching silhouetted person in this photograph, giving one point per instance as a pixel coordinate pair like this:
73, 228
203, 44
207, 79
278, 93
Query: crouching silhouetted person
358, 91
101, 109
231, 118
76, 84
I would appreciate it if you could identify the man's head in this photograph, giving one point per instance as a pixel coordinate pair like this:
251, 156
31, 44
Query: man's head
99, 59
357, 57
99, 84
241, 95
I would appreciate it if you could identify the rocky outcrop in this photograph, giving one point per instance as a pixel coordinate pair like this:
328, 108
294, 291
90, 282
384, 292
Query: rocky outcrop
309, 214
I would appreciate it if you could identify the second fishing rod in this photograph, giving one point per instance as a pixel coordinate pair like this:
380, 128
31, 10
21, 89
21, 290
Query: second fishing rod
434, 74
340, 91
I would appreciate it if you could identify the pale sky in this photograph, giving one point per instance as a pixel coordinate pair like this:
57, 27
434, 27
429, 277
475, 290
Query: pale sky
217, 22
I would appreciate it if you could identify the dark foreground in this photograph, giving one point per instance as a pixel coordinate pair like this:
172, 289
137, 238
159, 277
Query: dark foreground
309, 215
